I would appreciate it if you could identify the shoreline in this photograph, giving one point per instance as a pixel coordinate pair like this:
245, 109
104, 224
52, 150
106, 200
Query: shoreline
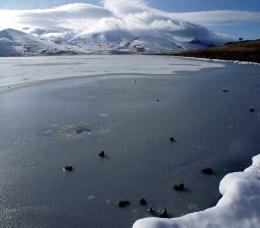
220, 60
177, 55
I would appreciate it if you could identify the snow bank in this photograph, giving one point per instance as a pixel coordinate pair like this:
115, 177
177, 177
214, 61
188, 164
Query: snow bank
224, 61
239, 206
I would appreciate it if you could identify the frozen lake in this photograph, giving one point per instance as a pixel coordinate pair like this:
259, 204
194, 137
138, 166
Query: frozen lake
129, 107
17, 71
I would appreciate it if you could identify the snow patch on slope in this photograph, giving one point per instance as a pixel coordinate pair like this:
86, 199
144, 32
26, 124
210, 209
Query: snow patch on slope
239, 206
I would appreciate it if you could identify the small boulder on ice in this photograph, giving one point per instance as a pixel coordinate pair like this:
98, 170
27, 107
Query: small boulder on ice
102, 154
179, 187
207, 171
68, 168
164, 213
122, 203
142, 202
150, 210
172, 139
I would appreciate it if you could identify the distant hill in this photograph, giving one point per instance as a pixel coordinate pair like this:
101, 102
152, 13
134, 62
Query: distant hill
248, 50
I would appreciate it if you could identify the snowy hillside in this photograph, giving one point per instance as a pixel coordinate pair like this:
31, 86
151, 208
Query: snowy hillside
116, 27
17, 43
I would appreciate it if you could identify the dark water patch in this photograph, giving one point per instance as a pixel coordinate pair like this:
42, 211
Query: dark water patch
81, 130
70, 130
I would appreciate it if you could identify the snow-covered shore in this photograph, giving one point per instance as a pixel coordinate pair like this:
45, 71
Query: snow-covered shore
239, 206
223, 61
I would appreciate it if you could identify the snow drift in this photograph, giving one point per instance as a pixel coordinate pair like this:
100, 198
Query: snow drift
239, 206
118, 26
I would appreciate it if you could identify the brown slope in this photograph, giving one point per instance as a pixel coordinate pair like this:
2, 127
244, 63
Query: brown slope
242, 51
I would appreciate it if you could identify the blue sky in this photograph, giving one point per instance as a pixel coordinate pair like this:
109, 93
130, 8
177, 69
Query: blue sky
198, 5
168, 5
246, 29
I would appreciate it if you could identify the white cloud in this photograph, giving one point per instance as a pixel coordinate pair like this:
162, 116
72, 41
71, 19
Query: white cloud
219, 16
126, 7
130, 15
58, 17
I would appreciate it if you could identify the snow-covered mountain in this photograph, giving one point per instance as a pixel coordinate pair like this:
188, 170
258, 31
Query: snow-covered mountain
17, 43
119, 26
122, 41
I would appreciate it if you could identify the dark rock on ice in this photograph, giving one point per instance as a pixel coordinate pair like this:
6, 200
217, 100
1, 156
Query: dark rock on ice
179, 187
172, 139
122, 203
101, 154
207, 171
68, 168
142, 202
164, 213
150, 210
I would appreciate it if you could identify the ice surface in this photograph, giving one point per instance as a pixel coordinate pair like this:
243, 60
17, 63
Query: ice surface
23, 70
239, 206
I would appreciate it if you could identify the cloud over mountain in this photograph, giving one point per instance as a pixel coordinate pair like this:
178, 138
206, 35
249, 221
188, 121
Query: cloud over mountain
124, 14
114, 14
116, 25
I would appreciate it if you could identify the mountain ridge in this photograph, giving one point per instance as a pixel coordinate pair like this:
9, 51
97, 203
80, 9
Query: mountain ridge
43, 42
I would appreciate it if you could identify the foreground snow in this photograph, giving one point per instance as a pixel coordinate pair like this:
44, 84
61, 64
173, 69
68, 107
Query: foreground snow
239, 206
